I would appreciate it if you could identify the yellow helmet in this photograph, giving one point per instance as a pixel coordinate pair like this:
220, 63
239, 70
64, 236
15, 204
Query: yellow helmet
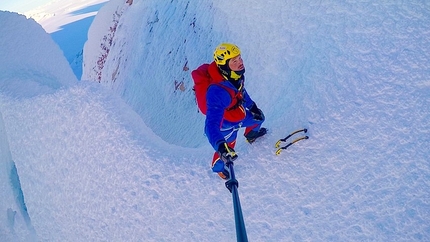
224, 52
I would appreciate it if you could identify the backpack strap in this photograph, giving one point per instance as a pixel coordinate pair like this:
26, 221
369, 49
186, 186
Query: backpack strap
217, 78
236, 97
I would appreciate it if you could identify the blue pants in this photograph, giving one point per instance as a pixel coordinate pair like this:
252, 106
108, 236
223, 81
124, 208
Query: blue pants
229, 131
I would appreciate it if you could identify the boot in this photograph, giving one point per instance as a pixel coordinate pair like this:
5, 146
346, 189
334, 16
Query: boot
252, 135
224, 174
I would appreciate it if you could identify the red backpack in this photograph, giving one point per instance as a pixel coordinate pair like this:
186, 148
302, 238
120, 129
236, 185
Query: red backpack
202, 80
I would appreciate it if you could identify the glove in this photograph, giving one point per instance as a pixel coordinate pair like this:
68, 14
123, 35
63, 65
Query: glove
226, 153
256, 113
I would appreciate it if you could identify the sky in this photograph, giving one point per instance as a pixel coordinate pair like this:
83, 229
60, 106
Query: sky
120, 155
21, 6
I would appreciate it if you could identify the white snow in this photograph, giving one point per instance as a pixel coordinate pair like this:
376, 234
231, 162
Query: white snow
67, 22
121, 155
56, 14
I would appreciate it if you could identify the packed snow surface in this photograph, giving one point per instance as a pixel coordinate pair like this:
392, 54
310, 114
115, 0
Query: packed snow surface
121, 156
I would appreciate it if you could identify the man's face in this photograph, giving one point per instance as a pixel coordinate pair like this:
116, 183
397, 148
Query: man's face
236, 63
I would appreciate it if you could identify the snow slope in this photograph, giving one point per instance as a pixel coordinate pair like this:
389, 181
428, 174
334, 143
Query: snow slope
31, 65
142, 52
67, 22
126, 160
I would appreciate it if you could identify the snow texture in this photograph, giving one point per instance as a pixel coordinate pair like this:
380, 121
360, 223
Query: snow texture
121, 155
